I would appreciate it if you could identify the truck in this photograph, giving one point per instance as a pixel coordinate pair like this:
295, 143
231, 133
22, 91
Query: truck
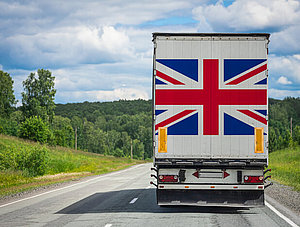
210, 118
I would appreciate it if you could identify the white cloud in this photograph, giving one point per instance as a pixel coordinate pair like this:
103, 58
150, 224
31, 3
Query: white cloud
297, 56
243, 15
70, 46
283, 80
280, 94
286, 41
1, 67
285, 66
105, 95
110, 76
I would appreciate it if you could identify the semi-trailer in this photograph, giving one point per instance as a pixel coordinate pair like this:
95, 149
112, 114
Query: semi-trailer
210, 118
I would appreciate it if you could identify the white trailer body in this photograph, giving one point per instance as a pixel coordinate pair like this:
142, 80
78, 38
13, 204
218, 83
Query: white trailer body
210, 124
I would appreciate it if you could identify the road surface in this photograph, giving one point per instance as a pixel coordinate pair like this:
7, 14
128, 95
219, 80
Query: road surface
123, 198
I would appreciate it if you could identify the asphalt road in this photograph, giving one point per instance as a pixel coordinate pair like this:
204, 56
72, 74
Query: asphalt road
123, 198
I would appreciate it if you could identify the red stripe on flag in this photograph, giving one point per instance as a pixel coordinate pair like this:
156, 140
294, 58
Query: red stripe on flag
211, 107
179, 97
242, 97
254, 115
174, 118
168, 78
221, 97
248, 75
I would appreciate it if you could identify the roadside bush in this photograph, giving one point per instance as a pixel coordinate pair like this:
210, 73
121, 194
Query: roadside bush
118, 153
8, 126
31, 160
34, 128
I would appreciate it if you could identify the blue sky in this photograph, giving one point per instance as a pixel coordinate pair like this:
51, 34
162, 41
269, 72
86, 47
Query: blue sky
102, 50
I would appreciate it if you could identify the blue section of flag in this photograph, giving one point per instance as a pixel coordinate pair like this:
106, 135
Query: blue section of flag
264, 81
233, 67
188, 126
187, 67
233, 126
158, 112
157, 81
264, 112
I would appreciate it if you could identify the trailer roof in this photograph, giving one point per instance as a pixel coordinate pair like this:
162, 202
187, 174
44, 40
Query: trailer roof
267, 35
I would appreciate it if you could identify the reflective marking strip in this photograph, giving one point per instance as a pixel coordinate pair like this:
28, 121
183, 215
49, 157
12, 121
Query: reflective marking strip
108, 225
211, 187
280, 214
133, 201
162, 140
259, 137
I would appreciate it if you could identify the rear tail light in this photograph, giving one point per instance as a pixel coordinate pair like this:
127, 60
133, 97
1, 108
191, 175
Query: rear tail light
253, 179
168, 178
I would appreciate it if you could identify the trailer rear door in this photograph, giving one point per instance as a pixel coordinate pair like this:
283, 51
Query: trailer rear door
210, 96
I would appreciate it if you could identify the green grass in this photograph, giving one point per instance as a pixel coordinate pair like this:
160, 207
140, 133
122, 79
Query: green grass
16, 176
285, 165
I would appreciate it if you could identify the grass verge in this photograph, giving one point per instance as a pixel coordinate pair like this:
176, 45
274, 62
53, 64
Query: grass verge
285, 165
59, 164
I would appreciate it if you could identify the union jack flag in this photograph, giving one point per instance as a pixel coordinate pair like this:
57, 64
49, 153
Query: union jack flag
227, 97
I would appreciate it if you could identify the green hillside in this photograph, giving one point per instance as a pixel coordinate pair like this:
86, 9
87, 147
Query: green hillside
26, 164
285, 165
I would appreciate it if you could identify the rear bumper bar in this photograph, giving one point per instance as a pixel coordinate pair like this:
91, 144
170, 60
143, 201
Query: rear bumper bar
232, 198
212, 186
228, 163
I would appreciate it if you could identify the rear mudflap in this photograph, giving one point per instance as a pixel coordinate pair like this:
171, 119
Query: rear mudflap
230, 198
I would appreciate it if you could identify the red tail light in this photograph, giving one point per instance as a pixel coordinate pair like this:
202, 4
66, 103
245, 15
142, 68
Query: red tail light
253, 179
168, 178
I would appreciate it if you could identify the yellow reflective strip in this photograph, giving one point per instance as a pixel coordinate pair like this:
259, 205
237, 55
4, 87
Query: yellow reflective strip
162, 140
259, 139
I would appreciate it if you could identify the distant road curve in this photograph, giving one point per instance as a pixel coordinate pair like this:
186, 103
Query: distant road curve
124, 198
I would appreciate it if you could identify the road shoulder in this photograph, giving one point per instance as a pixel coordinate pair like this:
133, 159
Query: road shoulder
285, 200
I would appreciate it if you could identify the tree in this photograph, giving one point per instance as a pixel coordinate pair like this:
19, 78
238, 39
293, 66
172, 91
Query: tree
63, 131
296, 134
138, 149
77, 126
7, 97
38, 98
34, 128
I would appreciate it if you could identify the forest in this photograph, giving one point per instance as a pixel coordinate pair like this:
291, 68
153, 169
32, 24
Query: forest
112, 127
120, 128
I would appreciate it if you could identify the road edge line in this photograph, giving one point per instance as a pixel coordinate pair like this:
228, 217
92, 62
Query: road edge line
289, 221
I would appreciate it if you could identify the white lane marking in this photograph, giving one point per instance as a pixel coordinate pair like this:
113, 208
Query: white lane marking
133, 201
281, 215
44, 193
108, 225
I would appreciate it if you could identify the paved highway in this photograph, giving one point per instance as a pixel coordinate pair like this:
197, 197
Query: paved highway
123, 198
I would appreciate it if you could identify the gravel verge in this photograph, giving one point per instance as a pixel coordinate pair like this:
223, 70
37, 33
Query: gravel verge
284, 199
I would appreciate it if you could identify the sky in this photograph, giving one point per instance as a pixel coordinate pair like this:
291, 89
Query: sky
101, 50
